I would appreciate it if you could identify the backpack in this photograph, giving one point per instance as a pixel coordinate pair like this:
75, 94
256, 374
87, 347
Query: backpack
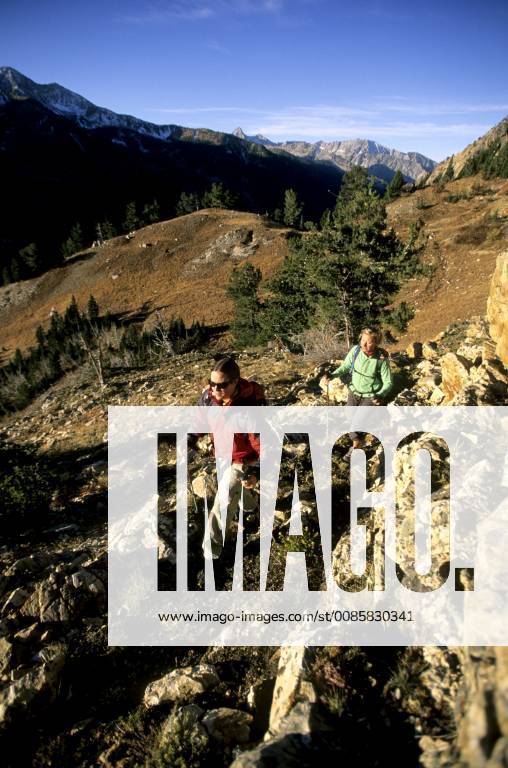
348, 377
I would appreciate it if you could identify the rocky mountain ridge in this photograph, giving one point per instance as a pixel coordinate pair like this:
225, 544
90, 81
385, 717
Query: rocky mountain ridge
60, 153
62, 101
459, 160
16, 86
381, 161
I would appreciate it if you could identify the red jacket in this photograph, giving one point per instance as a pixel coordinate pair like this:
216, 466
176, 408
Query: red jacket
246, 447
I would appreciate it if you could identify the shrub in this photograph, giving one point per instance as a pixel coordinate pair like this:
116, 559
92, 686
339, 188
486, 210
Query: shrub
25, 488
400, 316
320, 344
183, 744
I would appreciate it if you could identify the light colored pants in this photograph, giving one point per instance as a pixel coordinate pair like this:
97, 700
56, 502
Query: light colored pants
231, 487
357, 400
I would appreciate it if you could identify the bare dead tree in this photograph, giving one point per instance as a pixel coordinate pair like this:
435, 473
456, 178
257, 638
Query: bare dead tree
348, 331
94, 355
161, 337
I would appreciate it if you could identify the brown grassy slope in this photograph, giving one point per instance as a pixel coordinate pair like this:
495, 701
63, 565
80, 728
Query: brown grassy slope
463, 240
184, 272
177, 274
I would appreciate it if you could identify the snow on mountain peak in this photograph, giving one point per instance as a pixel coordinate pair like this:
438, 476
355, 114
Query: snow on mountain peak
62, 101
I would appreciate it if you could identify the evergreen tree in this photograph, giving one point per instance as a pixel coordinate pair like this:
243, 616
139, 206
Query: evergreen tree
394, 188
131, 220
92, 309
15, 269
292, 208
449, 172
17, 360
325, 219
218, 197
29, 257
40, 336
187, 203
55, 332
242, 288
72, 317
352, 181
347, 273
107, 229
151, 212
74, 242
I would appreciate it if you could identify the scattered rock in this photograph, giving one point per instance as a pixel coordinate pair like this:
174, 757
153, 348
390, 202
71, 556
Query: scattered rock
229, 726
414, 350
181, 684
430, 350
259, 700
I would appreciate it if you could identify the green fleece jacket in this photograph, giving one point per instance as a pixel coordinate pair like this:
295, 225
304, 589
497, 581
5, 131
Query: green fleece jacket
372, 376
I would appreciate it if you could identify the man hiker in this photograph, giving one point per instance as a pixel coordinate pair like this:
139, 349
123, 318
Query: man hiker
366, 371
226, 387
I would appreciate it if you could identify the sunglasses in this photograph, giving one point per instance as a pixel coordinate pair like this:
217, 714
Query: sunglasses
218, 384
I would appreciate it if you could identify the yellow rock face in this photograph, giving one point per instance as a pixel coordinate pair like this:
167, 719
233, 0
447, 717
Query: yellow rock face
497, 307
455, 372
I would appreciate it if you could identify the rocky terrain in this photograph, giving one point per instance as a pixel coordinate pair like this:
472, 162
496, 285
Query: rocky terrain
381, 161
68, 699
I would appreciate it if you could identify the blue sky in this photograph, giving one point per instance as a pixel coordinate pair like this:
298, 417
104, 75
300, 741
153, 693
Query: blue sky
421, 76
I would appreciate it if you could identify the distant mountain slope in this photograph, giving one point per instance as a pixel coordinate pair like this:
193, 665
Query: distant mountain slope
469, 160
381, 161
63, 160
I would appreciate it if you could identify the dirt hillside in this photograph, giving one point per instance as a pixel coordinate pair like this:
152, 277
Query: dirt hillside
465, 228
179, 267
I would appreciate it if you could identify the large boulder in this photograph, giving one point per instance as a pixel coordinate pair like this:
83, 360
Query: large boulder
497, 307
181, 685
228, 726
291, 686
37, 687
455, 373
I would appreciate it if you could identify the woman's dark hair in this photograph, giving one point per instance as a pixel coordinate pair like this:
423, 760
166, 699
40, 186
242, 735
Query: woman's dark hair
228, 367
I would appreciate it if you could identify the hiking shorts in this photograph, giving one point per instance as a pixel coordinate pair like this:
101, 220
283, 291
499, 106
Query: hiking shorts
356, 400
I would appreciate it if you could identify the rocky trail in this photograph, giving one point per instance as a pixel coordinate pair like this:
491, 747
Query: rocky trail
67, 698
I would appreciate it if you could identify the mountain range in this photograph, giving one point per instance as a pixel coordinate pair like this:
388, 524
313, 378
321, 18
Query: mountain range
380, 161
64, 160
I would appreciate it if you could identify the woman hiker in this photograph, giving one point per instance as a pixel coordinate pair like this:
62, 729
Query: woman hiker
226, 387
366, 371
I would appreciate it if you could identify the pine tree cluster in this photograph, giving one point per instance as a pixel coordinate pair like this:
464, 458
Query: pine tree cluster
346, 273
76, 338
492, 160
